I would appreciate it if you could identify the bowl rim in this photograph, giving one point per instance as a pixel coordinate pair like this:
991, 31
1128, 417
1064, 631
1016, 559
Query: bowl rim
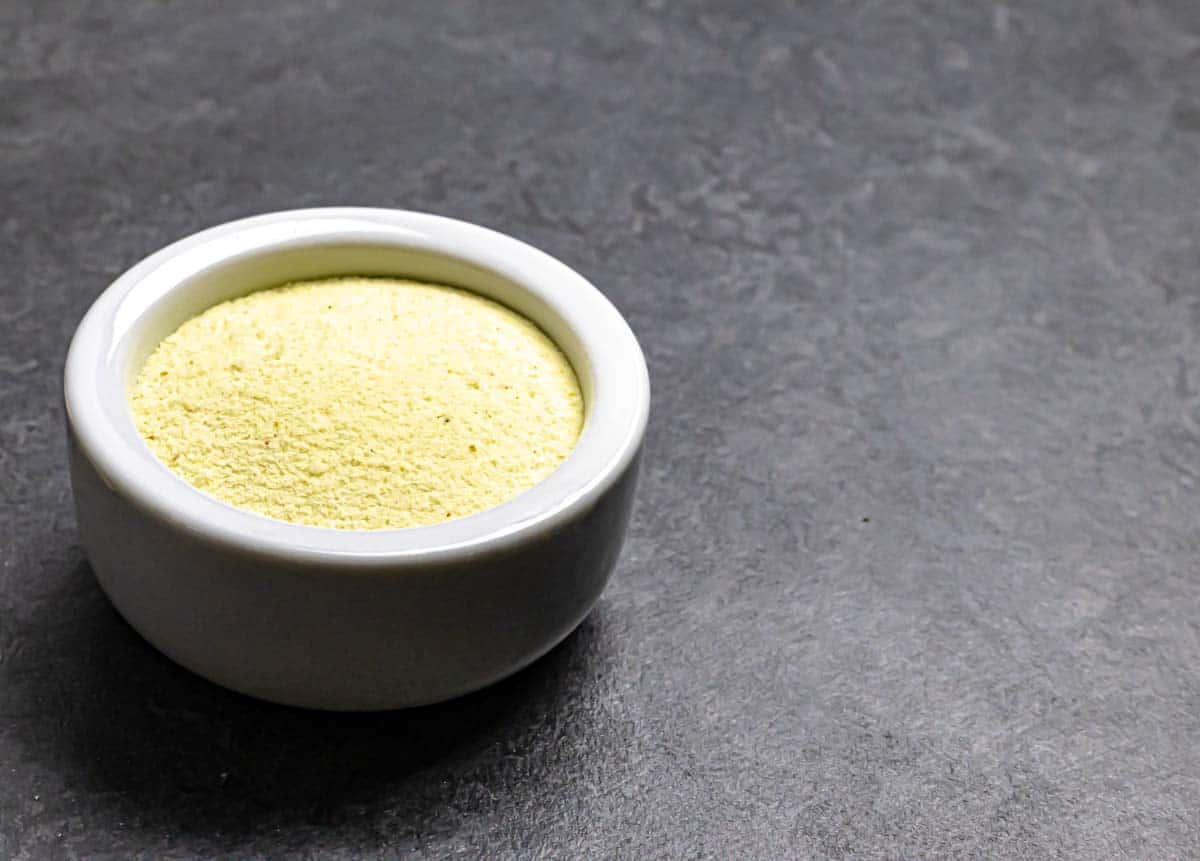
101, 425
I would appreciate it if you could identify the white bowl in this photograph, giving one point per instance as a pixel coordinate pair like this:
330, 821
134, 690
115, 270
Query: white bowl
346, 619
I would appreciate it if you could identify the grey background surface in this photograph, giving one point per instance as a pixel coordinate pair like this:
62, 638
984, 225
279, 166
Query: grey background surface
914, 567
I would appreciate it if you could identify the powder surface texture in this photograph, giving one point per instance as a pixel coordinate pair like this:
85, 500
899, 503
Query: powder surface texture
359, 403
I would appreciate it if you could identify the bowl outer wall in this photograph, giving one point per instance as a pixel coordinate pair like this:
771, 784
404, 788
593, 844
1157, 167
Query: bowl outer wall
320, 636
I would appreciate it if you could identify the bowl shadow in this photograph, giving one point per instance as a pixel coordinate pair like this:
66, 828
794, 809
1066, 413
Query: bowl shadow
161, 748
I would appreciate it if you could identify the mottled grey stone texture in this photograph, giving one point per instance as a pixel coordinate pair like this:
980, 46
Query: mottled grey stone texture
914, 568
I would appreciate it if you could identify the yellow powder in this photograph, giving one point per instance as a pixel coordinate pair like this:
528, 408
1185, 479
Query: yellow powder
359, 403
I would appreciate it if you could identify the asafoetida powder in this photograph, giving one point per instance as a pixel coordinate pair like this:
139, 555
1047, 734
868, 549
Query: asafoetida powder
359, 403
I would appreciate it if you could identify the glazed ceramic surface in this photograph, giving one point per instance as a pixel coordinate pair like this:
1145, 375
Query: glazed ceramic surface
342, 619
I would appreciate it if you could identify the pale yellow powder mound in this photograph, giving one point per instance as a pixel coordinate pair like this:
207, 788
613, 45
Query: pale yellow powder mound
359, 403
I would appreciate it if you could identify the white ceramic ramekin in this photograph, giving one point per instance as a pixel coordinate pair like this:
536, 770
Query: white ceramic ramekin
342, 619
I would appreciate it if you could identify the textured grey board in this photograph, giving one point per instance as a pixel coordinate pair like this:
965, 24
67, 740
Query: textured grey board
914, 568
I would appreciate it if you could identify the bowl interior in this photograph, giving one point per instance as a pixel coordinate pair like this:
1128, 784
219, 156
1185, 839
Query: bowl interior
156, 296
